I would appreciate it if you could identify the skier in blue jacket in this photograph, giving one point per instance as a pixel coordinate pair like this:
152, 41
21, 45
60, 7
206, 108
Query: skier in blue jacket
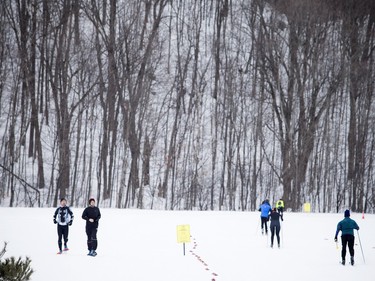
264, 210
346, 226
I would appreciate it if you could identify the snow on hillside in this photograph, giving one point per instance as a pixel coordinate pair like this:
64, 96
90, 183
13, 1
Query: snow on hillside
139, 245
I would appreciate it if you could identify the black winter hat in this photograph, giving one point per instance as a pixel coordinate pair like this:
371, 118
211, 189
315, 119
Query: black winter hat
347, 213
62, 199
91, 199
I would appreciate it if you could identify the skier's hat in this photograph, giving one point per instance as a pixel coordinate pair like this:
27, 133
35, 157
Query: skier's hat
347, 213
62, 199
91, 199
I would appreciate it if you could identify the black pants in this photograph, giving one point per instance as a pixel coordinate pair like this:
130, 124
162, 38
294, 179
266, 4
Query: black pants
275, 229
347, 239
92, 242
62, 231
264, 223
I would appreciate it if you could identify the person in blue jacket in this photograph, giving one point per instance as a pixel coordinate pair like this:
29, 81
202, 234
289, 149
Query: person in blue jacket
264, 210
347, 226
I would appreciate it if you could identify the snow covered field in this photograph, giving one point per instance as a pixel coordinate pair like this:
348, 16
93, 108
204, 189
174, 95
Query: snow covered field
138, 245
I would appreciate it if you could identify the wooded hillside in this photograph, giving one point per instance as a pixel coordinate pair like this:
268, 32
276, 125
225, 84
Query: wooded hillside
186, 104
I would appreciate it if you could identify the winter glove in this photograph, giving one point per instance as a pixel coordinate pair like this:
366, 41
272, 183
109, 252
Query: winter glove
70, 223
335, 239
54, 221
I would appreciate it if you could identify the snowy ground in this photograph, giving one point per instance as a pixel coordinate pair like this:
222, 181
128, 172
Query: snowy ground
136, 245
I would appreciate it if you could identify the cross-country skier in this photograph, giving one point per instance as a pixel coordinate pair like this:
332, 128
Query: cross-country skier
347, 226
92, 215
63, 217
265, 210
275, 226
280, 206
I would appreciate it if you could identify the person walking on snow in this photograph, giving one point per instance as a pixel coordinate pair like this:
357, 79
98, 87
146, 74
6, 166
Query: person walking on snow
63, 217
275, 226
347, 226
280, 206
265, 210
92, 215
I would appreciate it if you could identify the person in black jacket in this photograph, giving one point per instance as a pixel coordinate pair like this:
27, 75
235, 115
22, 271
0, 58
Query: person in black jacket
275, 225
92, 215
63, 217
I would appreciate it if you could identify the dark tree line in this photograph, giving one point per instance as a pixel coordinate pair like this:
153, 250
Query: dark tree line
209, 105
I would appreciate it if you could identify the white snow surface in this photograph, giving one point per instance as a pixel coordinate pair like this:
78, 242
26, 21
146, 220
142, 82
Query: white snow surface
140, 245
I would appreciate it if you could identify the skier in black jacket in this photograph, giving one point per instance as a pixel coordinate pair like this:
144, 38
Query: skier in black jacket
92, 215
63, 217
275, 226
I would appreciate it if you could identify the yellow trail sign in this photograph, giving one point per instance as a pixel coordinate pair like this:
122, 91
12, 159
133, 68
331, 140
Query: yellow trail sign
183, 233
307, 207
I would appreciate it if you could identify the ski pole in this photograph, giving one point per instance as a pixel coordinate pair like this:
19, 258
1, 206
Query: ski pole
282, 235
360, 244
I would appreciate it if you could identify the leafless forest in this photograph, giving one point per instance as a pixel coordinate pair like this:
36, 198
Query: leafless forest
188, 104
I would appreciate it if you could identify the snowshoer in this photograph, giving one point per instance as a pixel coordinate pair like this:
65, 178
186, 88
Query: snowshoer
265, 210
63, 217
347, 226
280, 206
92, 215
275, 226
